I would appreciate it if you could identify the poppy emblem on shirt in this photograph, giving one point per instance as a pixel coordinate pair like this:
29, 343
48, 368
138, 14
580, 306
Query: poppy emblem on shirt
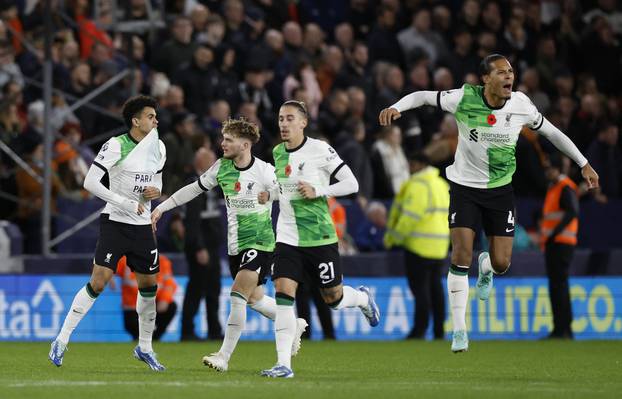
491, 119
288, 170
237, 187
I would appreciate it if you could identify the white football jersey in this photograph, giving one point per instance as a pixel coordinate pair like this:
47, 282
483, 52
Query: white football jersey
131, 167
303, 222
485, 157
249, 223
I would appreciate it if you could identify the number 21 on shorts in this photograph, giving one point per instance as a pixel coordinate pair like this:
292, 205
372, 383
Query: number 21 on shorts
327, 272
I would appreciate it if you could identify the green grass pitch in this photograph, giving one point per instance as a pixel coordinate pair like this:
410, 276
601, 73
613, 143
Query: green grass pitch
383, 370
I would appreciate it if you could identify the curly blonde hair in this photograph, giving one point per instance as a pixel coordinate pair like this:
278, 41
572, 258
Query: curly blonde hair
241, 128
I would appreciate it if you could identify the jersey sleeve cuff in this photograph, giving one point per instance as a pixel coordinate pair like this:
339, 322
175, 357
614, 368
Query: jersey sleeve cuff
202, 186
100, 166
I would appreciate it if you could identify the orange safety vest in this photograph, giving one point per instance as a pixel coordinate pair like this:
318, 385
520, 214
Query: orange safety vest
338, 214
552, 214
129, 287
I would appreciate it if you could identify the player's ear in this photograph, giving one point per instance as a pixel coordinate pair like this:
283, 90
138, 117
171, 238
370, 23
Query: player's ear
135, 122
305, 121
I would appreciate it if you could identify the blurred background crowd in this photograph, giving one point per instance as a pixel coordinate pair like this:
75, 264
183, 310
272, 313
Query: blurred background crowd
206, 61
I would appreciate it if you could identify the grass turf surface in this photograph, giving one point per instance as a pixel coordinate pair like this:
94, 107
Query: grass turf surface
384, 370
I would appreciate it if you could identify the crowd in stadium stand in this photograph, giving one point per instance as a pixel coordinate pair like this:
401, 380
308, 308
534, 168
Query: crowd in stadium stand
346, 59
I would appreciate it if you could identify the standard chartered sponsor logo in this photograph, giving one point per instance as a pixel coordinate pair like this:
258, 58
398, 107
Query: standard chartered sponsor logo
492, 137
241, 203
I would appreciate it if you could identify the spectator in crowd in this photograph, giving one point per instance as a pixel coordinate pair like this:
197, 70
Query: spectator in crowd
179, 151
442, 147
462, 59
172, 103
349, 144
389, 164
30, 193
419, 37
328, 69
355, 71
530, 85
219, 112
72, 166
165, 304
177, 50
9, 70
199, 80
606, 156
418, 225
382, 41
369, 236
304, 76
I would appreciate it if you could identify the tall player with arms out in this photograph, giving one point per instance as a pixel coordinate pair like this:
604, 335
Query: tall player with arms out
249, 185
490, 118
132, 165
305, 233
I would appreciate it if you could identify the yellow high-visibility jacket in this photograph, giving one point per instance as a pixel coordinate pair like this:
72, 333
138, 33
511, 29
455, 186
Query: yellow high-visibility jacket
418, 218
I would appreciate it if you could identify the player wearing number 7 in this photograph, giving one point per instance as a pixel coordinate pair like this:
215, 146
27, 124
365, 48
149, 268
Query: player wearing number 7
489, 118
249, 187
306, 237
132, 165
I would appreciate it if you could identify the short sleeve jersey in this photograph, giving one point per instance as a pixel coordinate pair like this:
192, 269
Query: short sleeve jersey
126, 181
485, 157
303, 222
249, 223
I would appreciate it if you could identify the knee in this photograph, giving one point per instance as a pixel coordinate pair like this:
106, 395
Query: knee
98, 285
461, 256
332, 295
500, 262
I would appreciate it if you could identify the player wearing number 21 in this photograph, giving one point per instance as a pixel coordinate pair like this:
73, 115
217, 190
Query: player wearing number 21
305, 233
249, 186
490, 118
132, 165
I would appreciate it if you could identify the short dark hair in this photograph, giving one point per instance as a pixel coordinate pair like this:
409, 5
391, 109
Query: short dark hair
419, 156
299, 105
135, 105
485, 67
556, 161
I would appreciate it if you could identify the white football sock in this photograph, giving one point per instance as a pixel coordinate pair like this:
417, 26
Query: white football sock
81, 304
266, 306
146, 309
285, 330
352, 298
458, 292
235, 324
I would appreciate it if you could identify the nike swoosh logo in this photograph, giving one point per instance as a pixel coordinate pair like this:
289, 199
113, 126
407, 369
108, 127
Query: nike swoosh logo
75, 311
281, 329
234, 325
453, 292
153, 268
509, 230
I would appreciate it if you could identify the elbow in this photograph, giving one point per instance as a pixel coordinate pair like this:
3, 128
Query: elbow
355, 187
88, 185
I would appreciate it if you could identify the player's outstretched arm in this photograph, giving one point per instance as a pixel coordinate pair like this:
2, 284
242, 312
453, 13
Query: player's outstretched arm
180, 197
566, 146
410, 101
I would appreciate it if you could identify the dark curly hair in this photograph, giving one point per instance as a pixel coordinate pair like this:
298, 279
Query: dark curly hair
135, 105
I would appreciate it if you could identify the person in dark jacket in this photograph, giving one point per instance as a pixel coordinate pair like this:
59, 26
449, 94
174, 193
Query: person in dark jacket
203, 238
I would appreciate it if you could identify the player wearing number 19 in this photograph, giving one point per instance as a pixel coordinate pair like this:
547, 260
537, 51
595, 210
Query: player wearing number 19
131, 166
249, 186
306, 237
490, 118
